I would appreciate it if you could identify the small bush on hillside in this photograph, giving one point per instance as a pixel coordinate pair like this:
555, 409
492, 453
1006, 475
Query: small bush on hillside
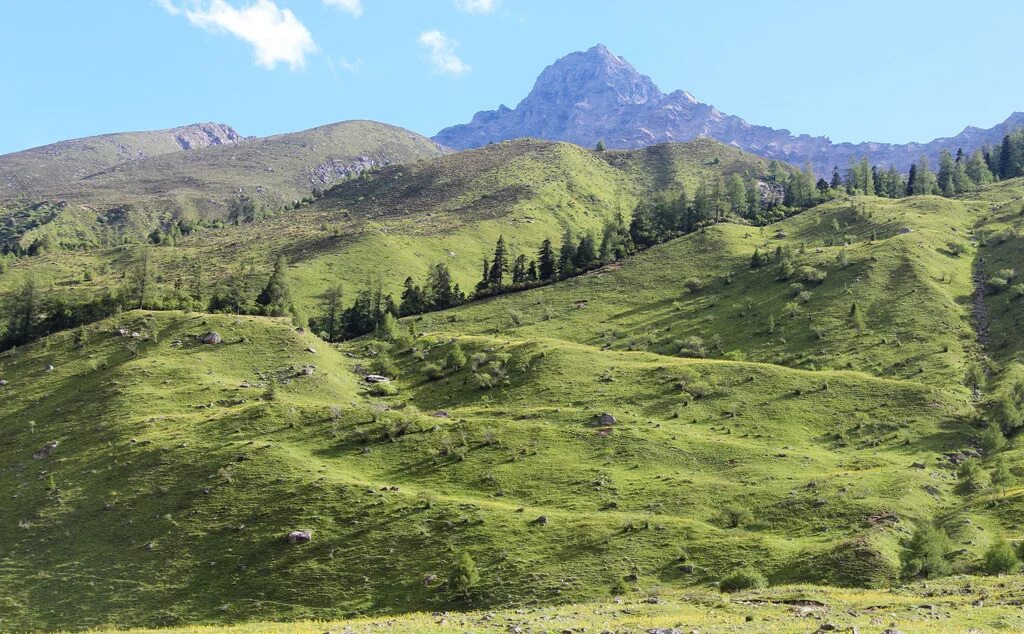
992, 440
433, 371
383, 389
972, 479
620, 588
1000, 558
997, 284
465, 576
956, 248
385, 366
743, 579
735, 515
925, 552
693, 284
456, 358
811, 275
1002, 478
692, 347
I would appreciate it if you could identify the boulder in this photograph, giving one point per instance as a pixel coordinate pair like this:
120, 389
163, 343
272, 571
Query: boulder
49, 368
211, 338
541, 521
300, 537
308, 370
3, 382
376, 378
45, 450
604, 419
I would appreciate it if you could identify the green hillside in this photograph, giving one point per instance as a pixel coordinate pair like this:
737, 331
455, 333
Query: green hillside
104, 202
177, 475
612, 448
401, 219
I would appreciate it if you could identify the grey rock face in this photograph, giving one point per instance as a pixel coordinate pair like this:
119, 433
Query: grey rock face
595, 95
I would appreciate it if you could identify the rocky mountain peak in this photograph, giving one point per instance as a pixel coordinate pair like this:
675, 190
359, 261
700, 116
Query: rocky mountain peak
596, 95
595, 76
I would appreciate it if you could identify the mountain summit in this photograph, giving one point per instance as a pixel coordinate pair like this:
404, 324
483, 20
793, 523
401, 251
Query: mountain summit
596, 95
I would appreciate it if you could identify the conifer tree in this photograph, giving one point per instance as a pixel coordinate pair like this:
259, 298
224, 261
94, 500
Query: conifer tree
945, 176
837, 180
924, 179
412, 300
531, 271
545, 261
276, 296
439, 293
329, 321
519, 270
499, 266
485, 280
567, 254
586, 253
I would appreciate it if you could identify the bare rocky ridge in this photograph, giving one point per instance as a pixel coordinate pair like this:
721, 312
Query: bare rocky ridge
36, 171
595, 95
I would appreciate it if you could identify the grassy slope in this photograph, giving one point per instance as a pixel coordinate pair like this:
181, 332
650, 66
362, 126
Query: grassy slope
32, 174
957, 604
913, 294
141, 434
198, 184
405, 218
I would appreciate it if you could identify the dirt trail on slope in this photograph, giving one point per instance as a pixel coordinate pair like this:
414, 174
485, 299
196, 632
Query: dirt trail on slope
979, 311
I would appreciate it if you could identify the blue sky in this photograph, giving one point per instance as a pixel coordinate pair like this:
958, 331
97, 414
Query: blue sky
864, 70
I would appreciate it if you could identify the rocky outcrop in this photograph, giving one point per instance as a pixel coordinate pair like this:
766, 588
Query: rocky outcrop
595, 95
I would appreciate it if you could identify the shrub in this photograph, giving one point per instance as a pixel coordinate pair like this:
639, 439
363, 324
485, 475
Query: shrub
383, 389
811, 275
972, 478
743, 579
620, 587
693, 284
456, 358
956, 248
997, 284
925, 553
1000, 558
433, 371
992, 440
692, 347
465, 575
384, 365
735, 515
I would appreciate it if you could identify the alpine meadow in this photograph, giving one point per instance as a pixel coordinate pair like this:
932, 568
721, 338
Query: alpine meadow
609, 361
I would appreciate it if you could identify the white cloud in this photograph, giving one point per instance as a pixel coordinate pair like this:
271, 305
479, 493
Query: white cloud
351, 65
275, 34
355, 7
476, 6
169, 7
442, 53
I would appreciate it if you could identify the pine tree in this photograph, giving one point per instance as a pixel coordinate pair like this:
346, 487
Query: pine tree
545, 261
531, 271
911, 180
837, 180
642, 231
499, 266
485, 280
600, 146
925, 182
439, 293
276, 295
977, 170
519, 270
756, 260
139, 279
412, 299
329, 320
567, 254
586, 253
945, 176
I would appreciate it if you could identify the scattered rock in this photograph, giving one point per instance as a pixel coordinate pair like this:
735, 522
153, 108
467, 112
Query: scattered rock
376, 378
905, 230
3, 382
45, 450
441, 414
918, 465
300, 537
541, 521
311, 350
211, 338
308, 370
605, 419
49, 368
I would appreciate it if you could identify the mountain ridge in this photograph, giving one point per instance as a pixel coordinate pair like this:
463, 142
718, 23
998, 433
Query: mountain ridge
595, 95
